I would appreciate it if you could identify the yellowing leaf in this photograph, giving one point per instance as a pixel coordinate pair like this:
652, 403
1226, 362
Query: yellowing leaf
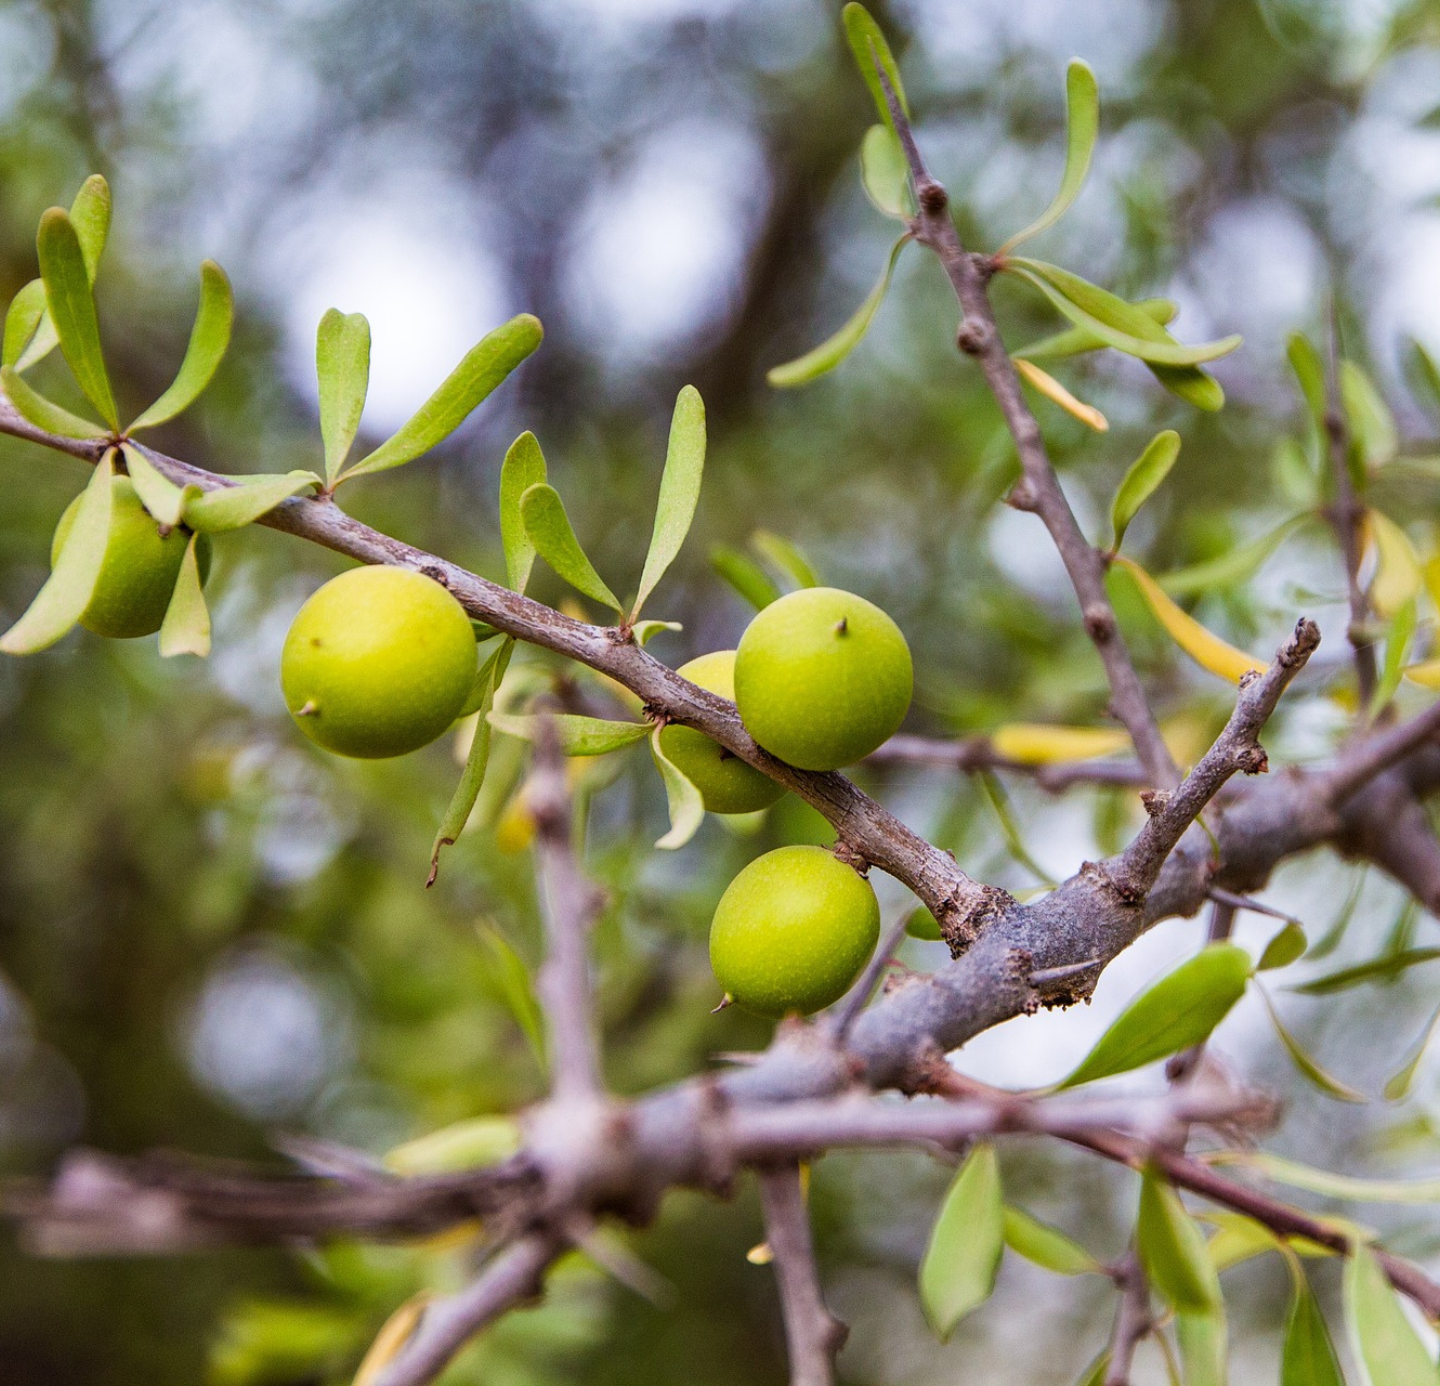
468, 1144
1398, 575
1209, 651
1032, 743
391, 1338
1056, 393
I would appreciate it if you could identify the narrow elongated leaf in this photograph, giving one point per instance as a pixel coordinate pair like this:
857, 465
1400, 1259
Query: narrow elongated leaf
1073, 341
1398, 635
1203, 1343
1310, 374
643, 631
1056, 393
687, 807
745, 577
45, 413
833, 350
1237, 1239
477, 761
1424, 376
1209, 651
786, 557
1229, 569
1426, 673
1191, 384
679, 491
22, 321
1094, 1374
884, 174
394, 1333
1382, 1338
90, 215
1284, 948
578, 736
484, 367
868, 44
1308, 1357
1117, 323
1032, 743
1398, 578
234, 507
342, 370
1372, 425
1323, 1181
1179, 1010
517, 989
1142, 480
999, 804
469, 1144
554, 539
1382, 969
186, 628
1082, 127
158, 494
1172, 1249
1312, 1072
1045, 1245
72, 309
966, 1243
1399, 1085
61, 602
209, 341
524, 467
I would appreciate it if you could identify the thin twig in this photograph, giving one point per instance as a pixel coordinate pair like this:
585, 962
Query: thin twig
1363, 760
974, 753
1132, 1320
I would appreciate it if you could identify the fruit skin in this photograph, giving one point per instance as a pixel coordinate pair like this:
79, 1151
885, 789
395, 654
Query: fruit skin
384, 660
725, 782
792, 931
822, 677
138, 572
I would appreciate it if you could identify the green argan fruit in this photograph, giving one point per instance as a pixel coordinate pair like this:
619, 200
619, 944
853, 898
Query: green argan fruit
725, 782
792, 931
378, 662
822, 677
138, 572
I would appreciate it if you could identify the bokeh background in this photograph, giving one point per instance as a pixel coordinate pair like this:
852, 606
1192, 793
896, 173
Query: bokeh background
211, 933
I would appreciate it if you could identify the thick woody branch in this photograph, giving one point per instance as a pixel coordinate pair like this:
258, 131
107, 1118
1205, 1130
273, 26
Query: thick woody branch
1363, 760
812, 1334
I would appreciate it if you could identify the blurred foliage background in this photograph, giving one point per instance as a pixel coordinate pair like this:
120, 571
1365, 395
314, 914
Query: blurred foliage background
210, 932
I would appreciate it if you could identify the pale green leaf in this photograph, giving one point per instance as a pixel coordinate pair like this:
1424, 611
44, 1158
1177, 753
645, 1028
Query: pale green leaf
1191, 384
1202, 1340
72, 308
868, 44
687, 808
644, 631
484, 367
1178, 1011
1229, 569
342, 370
44, 413
999, 804
1398, 1086
1322, 1181
61, 602
1172, 1249
158, 494
516, 987
1073, 341
1380, 1334
209, 340
90, 216
747, 578
1382, 969
1238, 1238
1311, 1071
1294, 475
578, 736
1143, 479
1424, 375
1399, 632
831, 352
22, 321
679, 491
1310, 374
884, 174
234, 507
1082, 127
470, 1144
921, 924
1045, 1245
1308, 1357
966, 1243
550, 531
1284, 948
524, 467
1372, 425
186, 628
785, 557
1095, 1373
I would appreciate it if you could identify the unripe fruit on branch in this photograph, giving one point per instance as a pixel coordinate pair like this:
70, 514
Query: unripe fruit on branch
139, 570
822, 677
792, 931
725, 782
378, 662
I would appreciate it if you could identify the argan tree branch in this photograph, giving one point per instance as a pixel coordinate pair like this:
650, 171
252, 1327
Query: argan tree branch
1132, 1320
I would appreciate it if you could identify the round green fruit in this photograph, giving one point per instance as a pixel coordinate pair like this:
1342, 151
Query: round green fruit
822, 677
378, 662
138, 572
725, 782
792, 931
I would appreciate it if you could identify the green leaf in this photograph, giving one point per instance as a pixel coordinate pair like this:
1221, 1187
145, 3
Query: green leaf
1398, 1086
1322, 1181
158, 494
868, 44
1095, 1372
1172, 1249
342, 369
1399, 632
45, 414
462, 802
1420, 367
1203, 1341
1294, 476
679, 491
1119, 324
744, 576
1229, 569
524, 467
234, 507
72, 308
1328, 942
578, 736
966, 1243
549, 529
1308, 1358
22, 321
1073, 341
90, 216
642, 632
1237, 1239
1372, 425
470, 1144
999, 803
1143, 479
1192, 385
186, 628
61, 602
1045, 1245
687, 808
884, 174
209, 340
1082, 128
831, 352
1179, 1010
1284, 948
1310, 1070
484, 367
1382, 969
786, 557
1310, 374
921, 924
1379, 1331
512, 977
